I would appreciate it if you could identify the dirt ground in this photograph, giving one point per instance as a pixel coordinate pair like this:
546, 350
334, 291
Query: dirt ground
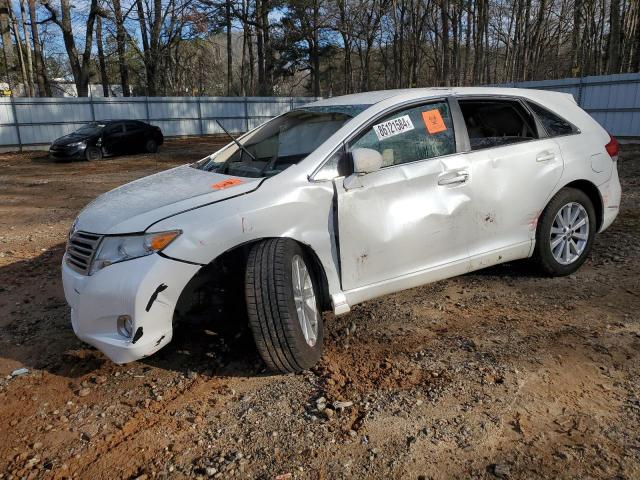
497, 374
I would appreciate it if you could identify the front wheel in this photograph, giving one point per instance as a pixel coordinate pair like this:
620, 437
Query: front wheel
565, 234
93, 153
283, 306
151, 146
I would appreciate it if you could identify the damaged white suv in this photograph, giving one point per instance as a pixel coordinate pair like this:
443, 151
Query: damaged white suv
337, 202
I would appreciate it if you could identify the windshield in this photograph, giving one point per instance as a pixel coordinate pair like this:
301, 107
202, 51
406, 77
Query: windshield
90, 129
280, 143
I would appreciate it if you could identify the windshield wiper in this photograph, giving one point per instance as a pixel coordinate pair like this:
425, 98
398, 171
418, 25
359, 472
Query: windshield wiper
236, 141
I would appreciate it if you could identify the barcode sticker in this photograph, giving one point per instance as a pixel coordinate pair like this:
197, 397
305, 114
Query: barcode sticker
394, 127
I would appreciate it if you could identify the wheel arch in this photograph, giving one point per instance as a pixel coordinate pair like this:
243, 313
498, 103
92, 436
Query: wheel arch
591, 191
229, 266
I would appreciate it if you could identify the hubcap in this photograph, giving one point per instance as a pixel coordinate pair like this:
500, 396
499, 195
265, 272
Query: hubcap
305, 300
569, 233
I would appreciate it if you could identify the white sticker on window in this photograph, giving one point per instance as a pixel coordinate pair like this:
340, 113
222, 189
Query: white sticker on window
393, 127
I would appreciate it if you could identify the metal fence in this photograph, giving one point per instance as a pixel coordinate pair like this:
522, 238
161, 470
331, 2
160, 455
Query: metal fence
27, 123
613, 100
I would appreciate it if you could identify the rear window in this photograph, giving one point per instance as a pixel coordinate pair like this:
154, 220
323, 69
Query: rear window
553, 124
494, 123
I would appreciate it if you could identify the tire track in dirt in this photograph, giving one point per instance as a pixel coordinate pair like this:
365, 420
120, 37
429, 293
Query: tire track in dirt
102, 456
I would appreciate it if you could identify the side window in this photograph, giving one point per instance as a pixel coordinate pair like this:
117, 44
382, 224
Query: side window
133, 126
493, 123
553, 124
114, 129
416, 133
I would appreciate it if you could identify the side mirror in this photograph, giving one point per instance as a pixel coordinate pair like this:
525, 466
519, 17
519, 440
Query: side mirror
366, 160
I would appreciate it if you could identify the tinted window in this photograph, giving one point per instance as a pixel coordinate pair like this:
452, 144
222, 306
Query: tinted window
117, 128
553, 124
90, 129
492, 123
417, 133
133, 126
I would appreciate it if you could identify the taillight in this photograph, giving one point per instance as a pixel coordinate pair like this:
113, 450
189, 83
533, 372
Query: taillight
613, 147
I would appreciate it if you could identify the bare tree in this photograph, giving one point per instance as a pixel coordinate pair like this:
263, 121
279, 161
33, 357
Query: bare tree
44, 87
80, 66
104, 78
8, 52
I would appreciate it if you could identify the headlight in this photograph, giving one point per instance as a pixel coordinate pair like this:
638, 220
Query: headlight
77, 144
126, 247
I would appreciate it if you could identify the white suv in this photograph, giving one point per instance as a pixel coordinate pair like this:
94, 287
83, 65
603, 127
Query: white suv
338, 202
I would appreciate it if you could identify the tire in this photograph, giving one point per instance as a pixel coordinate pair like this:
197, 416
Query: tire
271, 306
556, 261
93, 154
151, 146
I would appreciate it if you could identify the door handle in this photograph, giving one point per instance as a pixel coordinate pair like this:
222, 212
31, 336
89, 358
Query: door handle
457, 178
545, 157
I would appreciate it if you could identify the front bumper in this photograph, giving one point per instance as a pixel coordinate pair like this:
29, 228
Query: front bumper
66, 153
126, 288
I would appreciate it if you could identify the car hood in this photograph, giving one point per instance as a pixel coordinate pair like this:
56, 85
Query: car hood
135, 206
71, 138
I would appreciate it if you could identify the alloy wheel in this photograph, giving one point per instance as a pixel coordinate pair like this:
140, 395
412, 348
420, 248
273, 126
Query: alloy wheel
569, 233
305, 300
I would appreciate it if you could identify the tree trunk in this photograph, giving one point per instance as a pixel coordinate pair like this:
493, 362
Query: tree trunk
29, 59
229, 47
121, 48
444, 15
23, 67
7, 44
316, 51
44, 87
103, 65
613, 52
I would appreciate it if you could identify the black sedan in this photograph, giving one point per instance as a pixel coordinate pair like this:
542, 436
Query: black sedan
111, 137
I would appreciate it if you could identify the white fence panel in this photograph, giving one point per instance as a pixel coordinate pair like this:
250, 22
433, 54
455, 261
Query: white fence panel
135, 109
613, 100
39, 121
8, 135
177, 108
236, 125
222, 109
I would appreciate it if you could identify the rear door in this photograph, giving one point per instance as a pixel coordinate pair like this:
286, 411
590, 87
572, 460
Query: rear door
515, 169
135, 136
412, 214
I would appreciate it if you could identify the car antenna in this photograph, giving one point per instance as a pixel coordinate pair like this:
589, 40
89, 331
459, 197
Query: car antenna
236, 141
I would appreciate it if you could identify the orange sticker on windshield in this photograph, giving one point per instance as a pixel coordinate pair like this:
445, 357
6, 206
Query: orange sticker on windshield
230, 182
433, 121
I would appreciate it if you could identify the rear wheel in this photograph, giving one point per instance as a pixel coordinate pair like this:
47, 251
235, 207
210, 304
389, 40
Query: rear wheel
283, 306
93, 153
566, 230
151, 146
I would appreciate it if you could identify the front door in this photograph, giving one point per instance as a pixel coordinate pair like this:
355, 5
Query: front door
412, 214
113, 139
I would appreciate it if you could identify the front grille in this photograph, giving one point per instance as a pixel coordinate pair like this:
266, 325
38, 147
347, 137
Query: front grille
81, 248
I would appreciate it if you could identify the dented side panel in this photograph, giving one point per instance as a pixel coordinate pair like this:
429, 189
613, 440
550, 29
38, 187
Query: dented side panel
304, 214
399, 220
511, 186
